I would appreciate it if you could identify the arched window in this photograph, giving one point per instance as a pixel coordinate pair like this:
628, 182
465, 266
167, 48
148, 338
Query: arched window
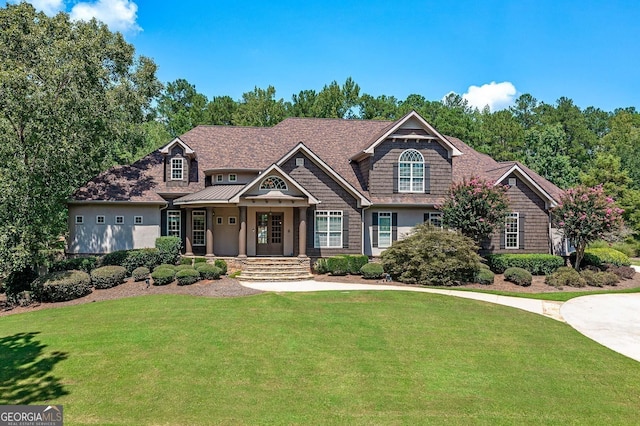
411, 171
273, 182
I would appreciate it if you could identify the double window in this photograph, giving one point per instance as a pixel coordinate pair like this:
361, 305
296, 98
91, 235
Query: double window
411, 171
173, 223
328, 229
511, 231
177, 171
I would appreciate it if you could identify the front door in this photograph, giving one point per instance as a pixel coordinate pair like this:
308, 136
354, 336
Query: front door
269, 235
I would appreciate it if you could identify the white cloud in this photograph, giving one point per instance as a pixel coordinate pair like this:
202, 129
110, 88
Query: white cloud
49, 7
497, 95
119, 15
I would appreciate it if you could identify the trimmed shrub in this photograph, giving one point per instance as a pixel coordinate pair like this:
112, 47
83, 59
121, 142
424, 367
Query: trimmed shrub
108, 276
187, 276
625, 272
222, 265
372, 271
338, 265
484, 266
484, 276
186, 261
432, 256
518, 276
148, 257
165, 266
86, 264
355, 262
599, 256
114, 258
197, 260
625, 248
320, 266
565, 276
208, 271
140, 274
536, 264
169, 248
61, 286
183, 267
163, 276
599, 279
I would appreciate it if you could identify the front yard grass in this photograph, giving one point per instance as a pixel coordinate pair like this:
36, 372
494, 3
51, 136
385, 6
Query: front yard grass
559, 297
329, 358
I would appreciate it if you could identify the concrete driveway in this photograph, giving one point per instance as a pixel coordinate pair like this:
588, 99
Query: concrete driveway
613, 320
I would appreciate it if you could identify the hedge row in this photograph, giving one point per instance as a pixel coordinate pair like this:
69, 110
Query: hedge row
342, 264
108, 276
599, 257
536, 264
61, 286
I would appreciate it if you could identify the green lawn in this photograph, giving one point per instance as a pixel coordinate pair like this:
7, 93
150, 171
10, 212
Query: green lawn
559, 297
329, 358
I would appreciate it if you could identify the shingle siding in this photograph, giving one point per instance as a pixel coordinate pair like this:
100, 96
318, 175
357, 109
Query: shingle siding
381, 175
525, 201
332, 197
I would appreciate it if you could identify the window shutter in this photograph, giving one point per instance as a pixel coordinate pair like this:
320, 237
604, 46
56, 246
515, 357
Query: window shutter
394, 226
521, 231
345, 229
503, 244
374, 229
427, 179
311, 226
185, 169
395, 178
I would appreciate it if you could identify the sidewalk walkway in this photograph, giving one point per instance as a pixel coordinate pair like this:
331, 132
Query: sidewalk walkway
613, 320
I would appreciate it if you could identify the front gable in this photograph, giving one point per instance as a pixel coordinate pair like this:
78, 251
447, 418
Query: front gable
274, 185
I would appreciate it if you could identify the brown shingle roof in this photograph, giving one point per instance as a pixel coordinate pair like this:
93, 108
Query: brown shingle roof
335, 141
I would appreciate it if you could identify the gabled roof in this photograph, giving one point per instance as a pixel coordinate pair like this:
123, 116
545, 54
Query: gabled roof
262, 176
389, 132
549, 192
363, 201
177, 141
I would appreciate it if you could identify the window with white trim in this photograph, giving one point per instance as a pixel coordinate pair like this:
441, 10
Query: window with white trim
233, 178
328, 229
198, 227
435, 219
384, 229
177, 168
137, 220
119, 220
79, 220
219, 178
100, 220
273, 182
219, 220
232, 220
411, 171
511, 231
173, 223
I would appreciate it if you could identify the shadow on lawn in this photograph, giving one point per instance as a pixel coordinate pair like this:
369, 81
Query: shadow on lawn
25, 371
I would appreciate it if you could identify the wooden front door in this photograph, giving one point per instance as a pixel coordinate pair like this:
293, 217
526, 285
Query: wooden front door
269, 233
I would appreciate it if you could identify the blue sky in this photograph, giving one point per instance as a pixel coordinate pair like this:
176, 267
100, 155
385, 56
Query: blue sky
588, 51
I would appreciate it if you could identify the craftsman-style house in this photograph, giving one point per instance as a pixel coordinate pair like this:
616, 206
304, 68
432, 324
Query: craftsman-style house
305, 187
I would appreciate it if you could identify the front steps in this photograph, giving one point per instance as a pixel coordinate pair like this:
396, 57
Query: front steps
275, 269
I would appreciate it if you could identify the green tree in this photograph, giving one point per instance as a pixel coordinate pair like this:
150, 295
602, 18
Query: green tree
259, 108
303, 104
73, 98
221, 109
525, 111
586, 215
334, 101
182, 108
623, 140
502, 136
476, 207
544, 153
381, 108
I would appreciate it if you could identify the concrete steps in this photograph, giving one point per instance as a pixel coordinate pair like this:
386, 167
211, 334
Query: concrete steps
275, 269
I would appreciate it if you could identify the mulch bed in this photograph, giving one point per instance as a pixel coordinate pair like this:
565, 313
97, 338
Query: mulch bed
229, 287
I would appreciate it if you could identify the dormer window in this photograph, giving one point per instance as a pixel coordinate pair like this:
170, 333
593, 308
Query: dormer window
273, 182
411, 171
177, 168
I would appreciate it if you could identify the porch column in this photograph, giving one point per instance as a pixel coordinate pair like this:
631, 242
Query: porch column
242, 235
188, 249
209, 222
302, 232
